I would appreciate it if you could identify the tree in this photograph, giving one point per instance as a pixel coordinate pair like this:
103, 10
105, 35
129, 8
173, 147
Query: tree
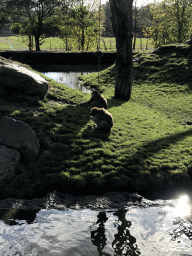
181, 10
80, 27
122, 26
160, 30
33, 15
141, 21
135, 12
4, 17
171, 21
107, 20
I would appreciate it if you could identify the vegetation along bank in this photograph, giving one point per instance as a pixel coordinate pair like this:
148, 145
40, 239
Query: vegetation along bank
149, 148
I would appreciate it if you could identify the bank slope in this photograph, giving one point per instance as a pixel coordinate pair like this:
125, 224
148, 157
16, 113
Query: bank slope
149, 146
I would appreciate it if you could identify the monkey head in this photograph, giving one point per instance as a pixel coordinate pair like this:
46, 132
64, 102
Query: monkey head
94, 111
94, 94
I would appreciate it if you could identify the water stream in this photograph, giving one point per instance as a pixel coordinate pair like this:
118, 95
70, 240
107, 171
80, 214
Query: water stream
65, 228
69, 74
162, 228
70, 79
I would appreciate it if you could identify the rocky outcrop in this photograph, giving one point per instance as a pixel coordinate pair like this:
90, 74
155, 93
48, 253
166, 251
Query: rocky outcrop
18, 144
17, 135
59, 201
9, 161
15, 78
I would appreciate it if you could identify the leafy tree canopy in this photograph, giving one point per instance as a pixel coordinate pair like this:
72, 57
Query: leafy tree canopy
33, 15
171, 21
80, 27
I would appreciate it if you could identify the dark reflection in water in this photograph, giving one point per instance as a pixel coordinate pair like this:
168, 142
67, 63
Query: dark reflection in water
98, 236
132, 231
123, 244
10, 215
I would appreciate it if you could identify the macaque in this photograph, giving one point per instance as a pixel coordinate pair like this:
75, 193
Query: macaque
102, 118
97, 100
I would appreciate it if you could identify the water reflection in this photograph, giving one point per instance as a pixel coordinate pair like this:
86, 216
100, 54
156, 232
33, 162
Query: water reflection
70, 79
123, 243
69, 74
132, 231
10, 215
98, 237
183, 207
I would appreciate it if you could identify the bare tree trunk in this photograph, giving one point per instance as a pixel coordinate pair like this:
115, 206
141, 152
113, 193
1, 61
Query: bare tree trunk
30, 44
37, 36
122, 26
135, 25
82, 39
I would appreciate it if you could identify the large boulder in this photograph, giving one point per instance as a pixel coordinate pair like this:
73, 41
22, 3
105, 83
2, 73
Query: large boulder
17, 78
18, 135
9, 161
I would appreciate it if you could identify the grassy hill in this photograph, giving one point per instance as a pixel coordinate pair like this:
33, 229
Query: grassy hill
149, 148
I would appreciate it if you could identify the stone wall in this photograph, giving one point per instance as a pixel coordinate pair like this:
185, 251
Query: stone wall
33, 57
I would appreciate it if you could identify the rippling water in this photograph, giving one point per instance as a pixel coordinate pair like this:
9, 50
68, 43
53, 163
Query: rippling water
143, 231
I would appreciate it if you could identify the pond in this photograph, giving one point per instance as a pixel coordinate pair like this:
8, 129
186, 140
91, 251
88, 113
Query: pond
69, 74
161, 227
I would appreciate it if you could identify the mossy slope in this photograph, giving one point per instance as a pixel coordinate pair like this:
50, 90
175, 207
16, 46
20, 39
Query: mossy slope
151, 135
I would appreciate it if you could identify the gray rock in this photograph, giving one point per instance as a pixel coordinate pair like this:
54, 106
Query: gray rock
18, 135
9, 161
15, 77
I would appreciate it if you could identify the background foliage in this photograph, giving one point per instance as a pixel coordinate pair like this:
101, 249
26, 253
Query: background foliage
171, 22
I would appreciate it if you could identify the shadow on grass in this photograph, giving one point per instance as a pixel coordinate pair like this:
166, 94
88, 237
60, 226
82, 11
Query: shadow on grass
150, 148
63, 129
64, 166
57, 128
91, 132
161, 178
115, 102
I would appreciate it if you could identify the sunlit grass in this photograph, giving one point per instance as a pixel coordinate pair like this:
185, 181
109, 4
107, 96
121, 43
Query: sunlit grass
14, 43
3, 46
152, 133
58, 44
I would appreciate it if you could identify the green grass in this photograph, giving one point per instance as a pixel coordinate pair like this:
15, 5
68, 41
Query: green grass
151, 136
16, 43
57, 44
143, 44
53, 43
